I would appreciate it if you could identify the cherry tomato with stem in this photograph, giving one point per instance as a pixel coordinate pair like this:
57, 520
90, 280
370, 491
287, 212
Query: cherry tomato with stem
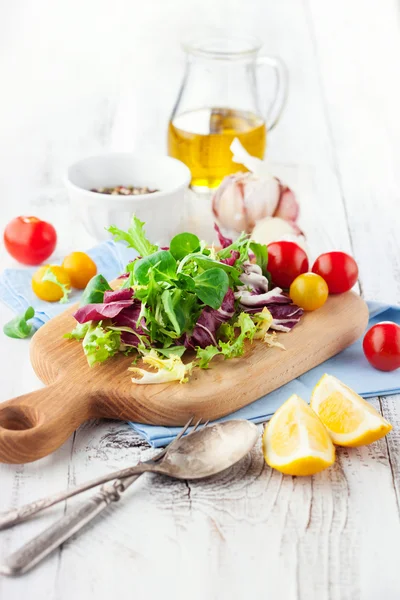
30, 240
339, 270
309, 291
286, 261
381, 345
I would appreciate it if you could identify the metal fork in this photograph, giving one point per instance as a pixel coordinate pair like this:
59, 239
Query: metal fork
30, 554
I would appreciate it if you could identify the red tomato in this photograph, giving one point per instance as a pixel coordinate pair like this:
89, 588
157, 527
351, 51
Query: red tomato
286, 261
339, 270
381, 346
30, 240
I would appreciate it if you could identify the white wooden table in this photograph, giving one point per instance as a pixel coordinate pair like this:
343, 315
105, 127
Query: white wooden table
78, 77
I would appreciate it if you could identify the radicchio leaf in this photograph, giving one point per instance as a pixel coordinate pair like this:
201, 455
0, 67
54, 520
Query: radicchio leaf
224, 241
209, 322
118, 295
232, 259
98, 312
285, 314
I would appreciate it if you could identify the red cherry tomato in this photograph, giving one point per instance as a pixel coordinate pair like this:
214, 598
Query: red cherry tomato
339, 270
30, 240
286, 261
381, 346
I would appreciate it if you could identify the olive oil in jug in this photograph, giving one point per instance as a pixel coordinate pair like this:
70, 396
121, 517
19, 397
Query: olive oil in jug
201, 139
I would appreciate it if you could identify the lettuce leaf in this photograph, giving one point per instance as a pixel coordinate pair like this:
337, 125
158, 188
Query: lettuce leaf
135, 237
100, 344
166, 369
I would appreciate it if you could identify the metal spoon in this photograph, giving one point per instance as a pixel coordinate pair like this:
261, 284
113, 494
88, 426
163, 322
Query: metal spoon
201, 454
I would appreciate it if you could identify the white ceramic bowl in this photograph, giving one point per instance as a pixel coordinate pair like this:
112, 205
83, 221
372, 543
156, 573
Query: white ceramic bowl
162, 211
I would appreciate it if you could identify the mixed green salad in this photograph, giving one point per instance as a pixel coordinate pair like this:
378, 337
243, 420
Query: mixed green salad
188, 300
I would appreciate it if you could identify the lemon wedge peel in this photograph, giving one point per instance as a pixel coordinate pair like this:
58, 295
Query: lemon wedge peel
295, 442
350, 420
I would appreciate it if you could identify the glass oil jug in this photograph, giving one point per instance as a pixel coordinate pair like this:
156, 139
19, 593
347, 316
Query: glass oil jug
218, 101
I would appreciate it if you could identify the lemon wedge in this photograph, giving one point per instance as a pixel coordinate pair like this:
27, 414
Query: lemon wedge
349, 419
295, 441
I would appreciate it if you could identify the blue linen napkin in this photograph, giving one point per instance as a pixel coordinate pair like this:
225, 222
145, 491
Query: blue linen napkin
350, 366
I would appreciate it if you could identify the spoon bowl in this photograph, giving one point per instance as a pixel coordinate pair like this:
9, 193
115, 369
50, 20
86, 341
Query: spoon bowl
208, 451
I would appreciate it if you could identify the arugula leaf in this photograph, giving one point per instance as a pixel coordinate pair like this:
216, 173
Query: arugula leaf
211, 287
100, 344
183, 244
135, 237
19, 327
162, 263
94, 291
261, 254
168, 303
66, 290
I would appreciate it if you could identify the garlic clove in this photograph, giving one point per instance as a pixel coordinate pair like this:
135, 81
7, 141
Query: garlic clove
275, 229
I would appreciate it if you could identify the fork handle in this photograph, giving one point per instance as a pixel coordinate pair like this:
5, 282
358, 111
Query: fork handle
42, 545
21, 514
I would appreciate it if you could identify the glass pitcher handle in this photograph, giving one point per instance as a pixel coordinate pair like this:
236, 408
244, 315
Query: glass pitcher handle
281, 89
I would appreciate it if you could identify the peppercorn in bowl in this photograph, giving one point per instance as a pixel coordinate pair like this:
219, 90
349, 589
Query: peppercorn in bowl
107, 189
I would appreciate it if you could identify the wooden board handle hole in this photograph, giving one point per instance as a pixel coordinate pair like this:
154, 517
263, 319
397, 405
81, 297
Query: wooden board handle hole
18, 418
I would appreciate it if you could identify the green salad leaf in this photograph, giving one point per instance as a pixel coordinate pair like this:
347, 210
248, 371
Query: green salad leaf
135, 237
261, 254
211, 287
100, 344
79, 332
19, 327
161, 263
183, 244
94, 291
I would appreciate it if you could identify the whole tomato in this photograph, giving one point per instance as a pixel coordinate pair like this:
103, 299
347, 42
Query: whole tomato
51, 283
286, 261
339, 270
381, 346
80, 268
30, 240
309, 291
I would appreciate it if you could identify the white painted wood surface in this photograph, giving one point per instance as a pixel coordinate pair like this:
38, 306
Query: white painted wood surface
81, 76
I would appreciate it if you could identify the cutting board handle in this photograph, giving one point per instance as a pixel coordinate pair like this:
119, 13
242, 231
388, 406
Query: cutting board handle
35, 424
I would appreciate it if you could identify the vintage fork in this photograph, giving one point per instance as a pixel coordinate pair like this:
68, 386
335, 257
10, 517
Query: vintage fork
18, 515
30, 554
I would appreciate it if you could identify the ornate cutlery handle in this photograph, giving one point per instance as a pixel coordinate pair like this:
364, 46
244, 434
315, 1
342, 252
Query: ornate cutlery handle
34, 551
18, 515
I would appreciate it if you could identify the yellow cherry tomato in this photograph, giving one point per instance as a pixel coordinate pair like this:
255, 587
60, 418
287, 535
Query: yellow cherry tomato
51, 283
80, 269
309, 291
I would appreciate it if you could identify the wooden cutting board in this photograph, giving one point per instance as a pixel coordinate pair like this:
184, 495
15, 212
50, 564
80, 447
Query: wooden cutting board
35, 424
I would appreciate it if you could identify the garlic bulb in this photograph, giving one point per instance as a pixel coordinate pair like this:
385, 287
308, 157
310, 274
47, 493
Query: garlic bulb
243, 199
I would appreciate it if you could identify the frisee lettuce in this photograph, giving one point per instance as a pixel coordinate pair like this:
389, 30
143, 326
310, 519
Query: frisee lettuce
100, 344
66, 289
166, 369
135, 237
